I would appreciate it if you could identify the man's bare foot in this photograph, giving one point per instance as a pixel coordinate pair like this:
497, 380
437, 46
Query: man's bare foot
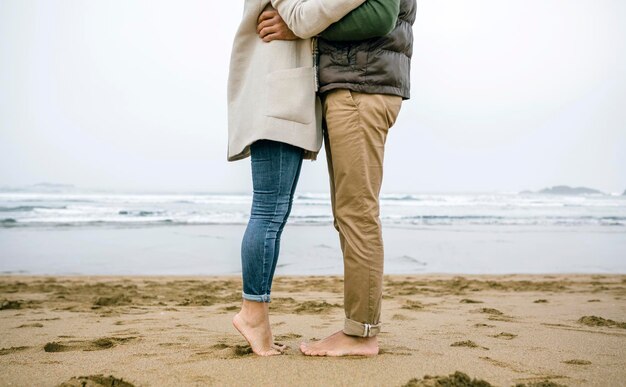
253, 324
340, 344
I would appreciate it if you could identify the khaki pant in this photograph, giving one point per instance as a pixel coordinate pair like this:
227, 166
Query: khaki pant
356, 126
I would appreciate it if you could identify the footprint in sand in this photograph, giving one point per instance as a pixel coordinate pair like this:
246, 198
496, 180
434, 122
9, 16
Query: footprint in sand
396, 351
595, 321
31, 325
413, 305
6, 351
18, 304
468, 344
287, 336
456, 379
86, 345
502, 364
129, 331
494, 314
117, 299
577, 362
171, 344
230, 308
490, 311
290, 305
541, 381
470, 301
314, 307
47, 319
504, 336
226, 351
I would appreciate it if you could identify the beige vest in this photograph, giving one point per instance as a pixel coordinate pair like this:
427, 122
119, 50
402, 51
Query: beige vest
272, 86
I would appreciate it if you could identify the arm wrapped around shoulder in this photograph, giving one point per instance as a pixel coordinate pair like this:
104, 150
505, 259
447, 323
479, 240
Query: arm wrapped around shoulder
308, 18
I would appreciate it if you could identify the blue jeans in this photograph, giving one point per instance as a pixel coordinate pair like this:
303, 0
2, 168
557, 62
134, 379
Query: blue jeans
275, 172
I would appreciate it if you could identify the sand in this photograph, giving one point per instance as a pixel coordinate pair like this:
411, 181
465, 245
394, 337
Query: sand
439, 330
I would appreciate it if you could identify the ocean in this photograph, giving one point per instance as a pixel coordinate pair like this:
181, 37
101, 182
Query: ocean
408, 210
119, 233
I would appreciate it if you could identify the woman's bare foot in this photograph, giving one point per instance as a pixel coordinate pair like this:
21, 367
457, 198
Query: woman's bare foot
340, 344
253, 324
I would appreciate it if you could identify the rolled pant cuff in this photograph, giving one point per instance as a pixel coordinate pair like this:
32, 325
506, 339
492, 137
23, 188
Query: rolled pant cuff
355, 328
256, 298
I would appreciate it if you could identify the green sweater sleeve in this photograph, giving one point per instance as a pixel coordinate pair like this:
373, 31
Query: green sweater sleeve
373, 18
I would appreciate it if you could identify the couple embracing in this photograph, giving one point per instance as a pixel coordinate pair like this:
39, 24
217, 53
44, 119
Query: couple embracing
303, 72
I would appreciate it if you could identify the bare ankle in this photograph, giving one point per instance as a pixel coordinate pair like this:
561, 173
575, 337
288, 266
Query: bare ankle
365, 340
254, 313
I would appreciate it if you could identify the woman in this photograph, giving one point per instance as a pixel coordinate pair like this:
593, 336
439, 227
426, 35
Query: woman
275, 117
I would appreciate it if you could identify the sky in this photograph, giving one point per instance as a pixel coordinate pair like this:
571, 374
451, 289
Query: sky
131, 96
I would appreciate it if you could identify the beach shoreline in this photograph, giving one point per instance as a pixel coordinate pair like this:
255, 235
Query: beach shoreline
175, 330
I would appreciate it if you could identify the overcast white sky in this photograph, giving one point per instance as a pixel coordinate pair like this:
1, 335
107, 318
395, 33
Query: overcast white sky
131, 95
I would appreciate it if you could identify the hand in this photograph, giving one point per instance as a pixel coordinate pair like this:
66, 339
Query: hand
272, 27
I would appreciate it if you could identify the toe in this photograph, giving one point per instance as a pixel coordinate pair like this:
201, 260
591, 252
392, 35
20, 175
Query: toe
306, 350
270, 352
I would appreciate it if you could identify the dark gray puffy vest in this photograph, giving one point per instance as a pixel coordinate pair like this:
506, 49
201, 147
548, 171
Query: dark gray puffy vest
373, 66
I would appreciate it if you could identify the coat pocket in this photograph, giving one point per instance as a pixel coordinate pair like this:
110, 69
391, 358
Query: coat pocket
291, 94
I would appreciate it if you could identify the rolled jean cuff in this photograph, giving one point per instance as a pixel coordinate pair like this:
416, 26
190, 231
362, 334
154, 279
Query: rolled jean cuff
256, 298
355, 328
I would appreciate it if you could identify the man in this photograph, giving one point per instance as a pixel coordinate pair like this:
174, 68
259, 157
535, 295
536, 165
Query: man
362, 85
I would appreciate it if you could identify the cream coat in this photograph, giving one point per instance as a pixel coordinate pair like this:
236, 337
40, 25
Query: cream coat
272, 86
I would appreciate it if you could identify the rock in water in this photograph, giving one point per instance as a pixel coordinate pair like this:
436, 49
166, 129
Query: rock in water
567, 190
